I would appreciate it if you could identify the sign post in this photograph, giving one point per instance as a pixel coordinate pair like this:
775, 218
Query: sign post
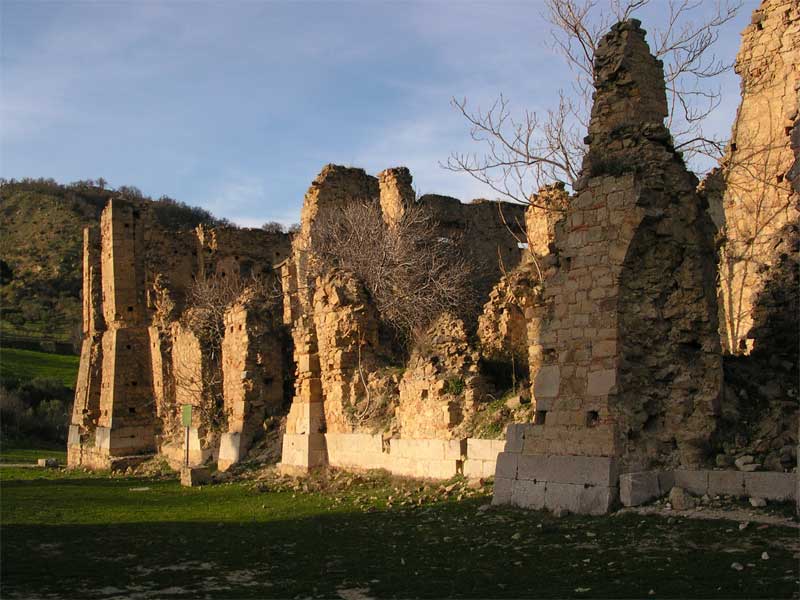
186, 421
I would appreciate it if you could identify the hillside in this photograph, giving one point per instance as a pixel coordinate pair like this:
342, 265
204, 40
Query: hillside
41, 248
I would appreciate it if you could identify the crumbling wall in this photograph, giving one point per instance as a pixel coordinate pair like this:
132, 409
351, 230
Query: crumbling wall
347, 334
345, 369
490, 234
757, 197
633, 255
441, 384
139, 364
754, 205
252, 371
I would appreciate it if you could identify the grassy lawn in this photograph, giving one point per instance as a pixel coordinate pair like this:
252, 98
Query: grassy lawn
69, 534
28, 364
29, 455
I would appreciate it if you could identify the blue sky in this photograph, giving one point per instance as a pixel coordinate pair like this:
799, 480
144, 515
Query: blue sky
235, 106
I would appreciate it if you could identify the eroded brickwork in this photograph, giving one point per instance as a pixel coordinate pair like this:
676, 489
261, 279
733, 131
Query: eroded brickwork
633, 262
757, 198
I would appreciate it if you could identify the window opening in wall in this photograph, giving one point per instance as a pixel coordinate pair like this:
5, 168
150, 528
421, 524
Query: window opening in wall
592, 418
131, 410
539, 417
130, 309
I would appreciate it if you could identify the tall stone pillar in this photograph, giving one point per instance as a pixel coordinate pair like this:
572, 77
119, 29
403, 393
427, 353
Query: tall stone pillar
624, 351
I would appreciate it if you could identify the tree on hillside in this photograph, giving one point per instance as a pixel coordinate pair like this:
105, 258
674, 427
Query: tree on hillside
521, 154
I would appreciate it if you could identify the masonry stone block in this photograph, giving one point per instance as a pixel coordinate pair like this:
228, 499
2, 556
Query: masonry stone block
600, 383
229, 450
533, 467
592, 470
74, 437
507, 465
597, 499
502, 490
194, 476
638, 488
695, 482
770, 486
726, 483
515, 437
528, 494
102, 438
563, 497
666, 481
478, 449
547, 382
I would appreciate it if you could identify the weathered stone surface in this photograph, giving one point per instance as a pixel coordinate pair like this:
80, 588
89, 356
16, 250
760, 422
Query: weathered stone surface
680, 499
528, 494
502, 490
694, 481
194, 476
507, 465
515, 436
638, 488
772, 486
138, 364
725, 482
756, 198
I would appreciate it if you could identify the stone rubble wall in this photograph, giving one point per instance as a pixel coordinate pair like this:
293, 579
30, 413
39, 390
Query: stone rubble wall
756, 195
441, 385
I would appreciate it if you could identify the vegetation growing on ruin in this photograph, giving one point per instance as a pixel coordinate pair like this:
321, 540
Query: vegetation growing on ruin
412, 273
80, 535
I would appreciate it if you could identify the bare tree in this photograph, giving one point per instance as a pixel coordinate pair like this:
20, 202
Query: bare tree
410, 271
524, 153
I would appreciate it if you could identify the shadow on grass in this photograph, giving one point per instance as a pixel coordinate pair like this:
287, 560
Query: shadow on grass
245, 544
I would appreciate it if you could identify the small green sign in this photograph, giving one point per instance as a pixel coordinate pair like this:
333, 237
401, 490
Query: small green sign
186, 415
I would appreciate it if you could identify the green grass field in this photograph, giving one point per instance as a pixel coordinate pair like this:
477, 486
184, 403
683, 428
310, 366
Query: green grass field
71, 534
28, 364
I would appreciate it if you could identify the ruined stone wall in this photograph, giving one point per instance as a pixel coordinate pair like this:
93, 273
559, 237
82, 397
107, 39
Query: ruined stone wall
491, 234
757, 197
347, 334
344, 370
138, 363
624, 350
441, 385
252, 371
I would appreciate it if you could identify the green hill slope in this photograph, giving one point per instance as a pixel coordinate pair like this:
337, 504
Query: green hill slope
41, 239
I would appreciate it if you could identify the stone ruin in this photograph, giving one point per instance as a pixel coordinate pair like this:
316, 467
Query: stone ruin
139, 361
627, 319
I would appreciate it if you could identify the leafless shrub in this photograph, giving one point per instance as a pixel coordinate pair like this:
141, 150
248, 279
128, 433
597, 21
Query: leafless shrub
410, 271
210, 296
